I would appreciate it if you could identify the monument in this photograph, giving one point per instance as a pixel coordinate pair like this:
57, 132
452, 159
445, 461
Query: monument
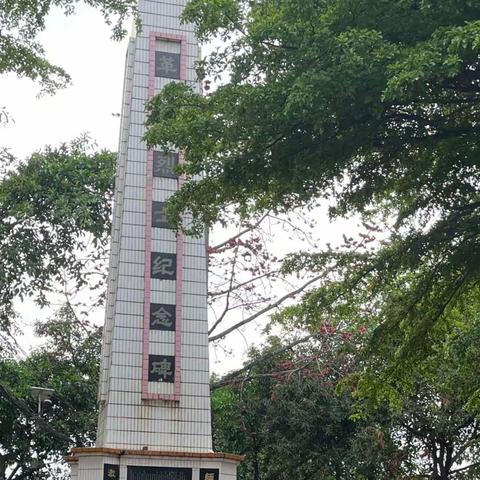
154, 396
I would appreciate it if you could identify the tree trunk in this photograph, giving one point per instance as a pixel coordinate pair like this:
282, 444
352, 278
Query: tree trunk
256, 463
3, 468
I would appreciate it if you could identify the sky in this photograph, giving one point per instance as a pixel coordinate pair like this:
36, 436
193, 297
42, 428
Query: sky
82, 45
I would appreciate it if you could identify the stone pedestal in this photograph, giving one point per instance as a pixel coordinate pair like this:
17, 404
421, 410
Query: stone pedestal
116, 464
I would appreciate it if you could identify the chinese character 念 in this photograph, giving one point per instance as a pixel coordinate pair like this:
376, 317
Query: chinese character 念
162, 317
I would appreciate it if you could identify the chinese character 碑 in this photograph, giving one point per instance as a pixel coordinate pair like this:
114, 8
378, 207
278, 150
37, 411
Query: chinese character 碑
162, 368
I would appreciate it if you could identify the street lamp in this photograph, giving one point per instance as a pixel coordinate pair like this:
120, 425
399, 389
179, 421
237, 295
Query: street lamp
44, 397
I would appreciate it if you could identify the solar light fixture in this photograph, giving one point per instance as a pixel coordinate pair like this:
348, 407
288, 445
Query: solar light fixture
44, 397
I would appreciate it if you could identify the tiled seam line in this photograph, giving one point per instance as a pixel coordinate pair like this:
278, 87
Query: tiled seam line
146, 395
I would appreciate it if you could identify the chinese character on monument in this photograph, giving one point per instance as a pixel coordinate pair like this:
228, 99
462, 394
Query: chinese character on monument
167, 65
161, 317
164, 266
164, 164
163, 369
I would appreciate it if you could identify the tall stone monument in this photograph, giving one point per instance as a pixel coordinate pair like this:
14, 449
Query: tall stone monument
154, 397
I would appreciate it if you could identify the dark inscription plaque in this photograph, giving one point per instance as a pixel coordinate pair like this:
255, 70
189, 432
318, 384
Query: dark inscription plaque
161, 368
111, 472
164, 266
162, 317
164, 164
209, 474
167, 65
158, 473
159, 219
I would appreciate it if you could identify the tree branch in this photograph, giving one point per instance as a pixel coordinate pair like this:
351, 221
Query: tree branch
227, 379
229, 292
243, 284
240, 234
453, 472
14, 471
264, 310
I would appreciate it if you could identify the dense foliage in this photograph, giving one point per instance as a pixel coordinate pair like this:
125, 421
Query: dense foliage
293, 415
21, 21
68, 362
371, 106
54, 206
288, 420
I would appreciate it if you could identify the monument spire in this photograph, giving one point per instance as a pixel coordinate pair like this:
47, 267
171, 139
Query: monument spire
154, 396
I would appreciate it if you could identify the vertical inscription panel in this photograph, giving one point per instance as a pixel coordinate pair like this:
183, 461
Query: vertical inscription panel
167, 60
158, 473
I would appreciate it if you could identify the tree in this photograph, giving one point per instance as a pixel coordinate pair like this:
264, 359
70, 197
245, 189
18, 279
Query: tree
55, 206
439, 418
31, 446
284, 413
369, 106
20, 23
292, 411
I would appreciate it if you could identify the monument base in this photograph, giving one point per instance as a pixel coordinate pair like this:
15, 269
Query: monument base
115, 464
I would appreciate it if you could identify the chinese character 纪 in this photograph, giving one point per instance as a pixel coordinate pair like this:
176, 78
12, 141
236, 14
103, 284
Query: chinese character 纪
166, 65
162, 368
162, 266
162, 317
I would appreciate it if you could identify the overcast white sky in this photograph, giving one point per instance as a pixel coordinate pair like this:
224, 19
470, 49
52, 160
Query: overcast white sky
81, 44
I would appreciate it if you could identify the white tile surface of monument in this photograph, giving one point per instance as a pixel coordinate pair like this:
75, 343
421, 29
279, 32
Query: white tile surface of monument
154, 397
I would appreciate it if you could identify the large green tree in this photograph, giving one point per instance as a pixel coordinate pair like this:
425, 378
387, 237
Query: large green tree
369, 106
32, 445
292, 412
55, 208
285, 415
